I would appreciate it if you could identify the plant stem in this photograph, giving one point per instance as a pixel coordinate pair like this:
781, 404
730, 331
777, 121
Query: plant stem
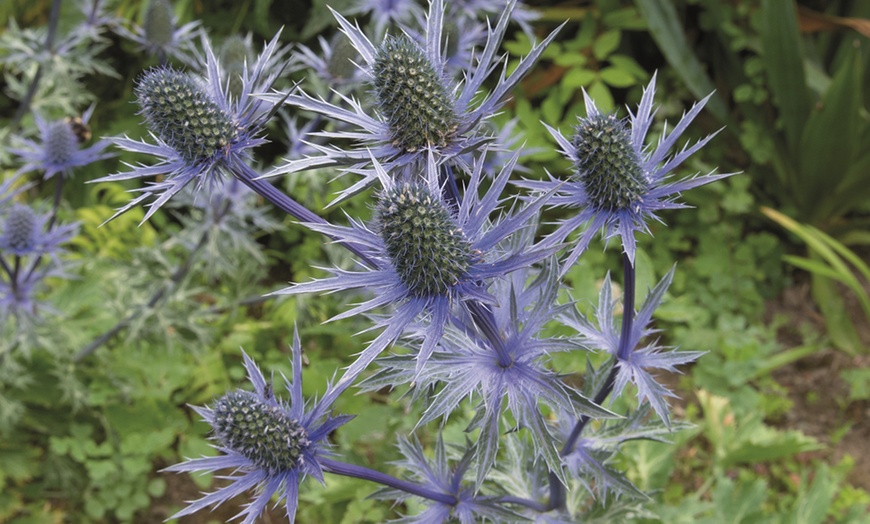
361, 472
557, 490
53, 17
293, 208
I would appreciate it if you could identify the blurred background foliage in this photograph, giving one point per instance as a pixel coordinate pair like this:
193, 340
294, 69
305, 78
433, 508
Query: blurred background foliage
772, 273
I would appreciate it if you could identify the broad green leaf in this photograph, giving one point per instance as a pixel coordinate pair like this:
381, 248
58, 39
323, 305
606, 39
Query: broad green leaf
664, 26
783, 60
606, 44
617, 77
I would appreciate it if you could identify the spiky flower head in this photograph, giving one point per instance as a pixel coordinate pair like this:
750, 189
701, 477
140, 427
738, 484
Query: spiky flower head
412, 96
268, 444
422, 240
23, 232
160, 34
607, 166
619, 184
432, 258
235, 54
159, 23
59, 149
202, 132
261, 432
418, 108
180, 112
19, 230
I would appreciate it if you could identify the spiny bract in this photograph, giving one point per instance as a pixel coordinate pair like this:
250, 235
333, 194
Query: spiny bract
607, 165
182, 114
263, 433
411, 94
427, 248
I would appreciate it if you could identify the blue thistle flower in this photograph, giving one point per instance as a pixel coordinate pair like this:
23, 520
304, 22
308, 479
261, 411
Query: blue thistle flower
417, 108
431, 256
59, 147
25, 244
160, 36
511, 377
201, 132
637, 363
619, 184
270, 445
24, 232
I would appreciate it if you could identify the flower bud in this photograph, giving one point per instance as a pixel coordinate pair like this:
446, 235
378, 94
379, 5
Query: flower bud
60, 143
181, 113
412, 96
607, 166
159, 23
428, 250
19, 231
234, 56
261, 432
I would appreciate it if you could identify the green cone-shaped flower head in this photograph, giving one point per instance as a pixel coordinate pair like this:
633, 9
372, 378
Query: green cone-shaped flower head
428, 250
181, 113
412, 96
235, 55
261, 432
341, 63
159, 24
19, 230
61, 143
607, 166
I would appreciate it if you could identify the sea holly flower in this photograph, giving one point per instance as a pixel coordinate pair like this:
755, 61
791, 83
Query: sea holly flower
635, 364
431, 255
160, 36
417, 109
24, 232
28, 254
59, 147
201, 132
619, 183
269, 444
505, 373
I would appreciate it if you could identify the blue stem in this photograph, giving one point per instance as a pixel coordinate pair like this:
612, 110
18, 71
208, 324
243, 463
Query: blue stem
483, 317
293, 208
361, 472
557, 490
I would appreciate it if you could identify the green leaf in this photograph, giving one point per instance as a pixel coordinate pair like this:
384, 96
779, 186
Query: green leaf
664, 26
606, 44
783, 60
832, 136
617, 77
